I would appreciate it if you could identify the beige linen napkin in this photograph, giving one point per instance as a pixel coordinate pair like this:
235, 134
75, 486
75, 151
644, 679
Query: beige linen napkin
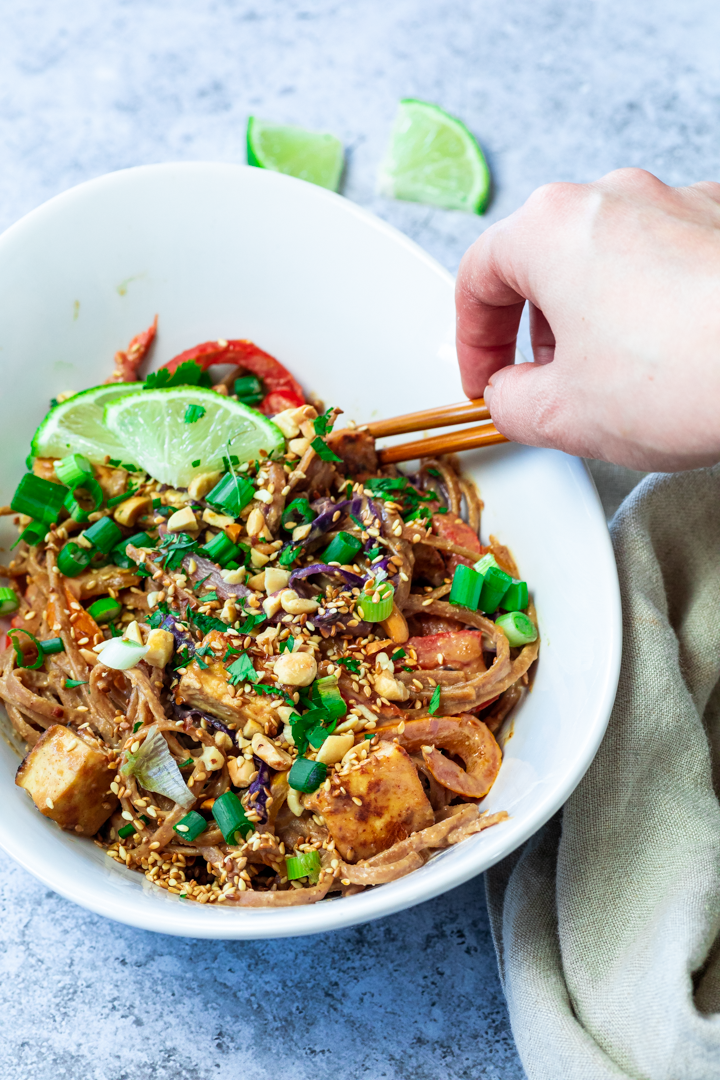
607, 922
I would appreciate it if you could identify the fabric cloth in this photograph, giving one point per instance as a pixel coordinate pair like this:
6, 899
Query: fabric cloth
607, 922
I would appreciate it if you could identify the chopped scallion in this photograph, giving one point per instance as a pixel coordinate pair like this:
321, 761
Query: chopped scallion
229, 814
126, 831
105, 610
8, 600
221, 550
330, 697
518, 628
190, 827
231, 494
73, 470
34, 533
52, 645
249, 389
104, 534
495, 584
70, 684
73, 559
516, 598
40, 499
342, 549
466, 587
298, 512
19, 654
372, 610
306, 775
306, 864
434, 701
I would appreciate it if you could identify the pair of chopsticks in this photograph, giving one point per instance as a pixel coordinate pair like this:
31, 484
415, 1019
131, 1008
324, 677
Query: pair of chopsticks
449, 442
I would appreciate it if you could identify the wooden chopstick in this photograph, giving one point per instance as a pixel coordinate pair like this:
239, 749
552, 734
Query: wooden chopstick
441, 416
449, 443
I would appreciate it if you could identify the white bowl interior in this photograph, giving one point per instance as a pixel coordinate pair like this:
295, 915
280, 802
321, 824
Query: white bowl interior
365, 319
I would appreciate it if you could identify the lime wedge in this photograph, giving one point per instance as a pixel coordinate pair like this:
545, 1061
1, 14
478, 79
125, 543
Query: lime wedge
174, 443
310, 155
76, 426
433, 158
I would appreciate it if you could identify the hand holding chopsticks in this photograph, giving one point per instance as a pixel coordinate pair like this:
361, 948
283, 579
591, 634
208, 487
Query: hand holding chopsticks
448, 443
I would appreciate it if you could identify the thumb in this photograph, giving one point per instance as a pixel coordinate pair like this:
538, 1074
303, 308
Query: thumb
527, 405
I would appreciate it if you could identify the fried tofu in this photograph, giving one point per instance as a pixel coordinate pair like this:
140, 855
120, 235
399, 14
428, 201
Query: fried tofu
209, 688
393, 804
68, 780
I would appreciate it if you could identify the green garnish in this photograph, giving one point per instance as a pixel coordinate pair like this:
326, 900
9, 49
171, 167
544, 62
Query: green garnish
434, 701
306, 864
193, 413
70, 684
322, 450
322, 424
241, 671
189, 373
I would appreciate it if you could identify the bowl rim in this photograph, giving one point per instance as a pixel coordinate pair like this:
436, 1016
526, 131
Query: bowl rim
174, 917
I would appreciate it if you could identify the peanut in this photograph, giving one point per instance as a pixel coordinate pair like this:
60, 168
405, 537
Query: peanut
295, 669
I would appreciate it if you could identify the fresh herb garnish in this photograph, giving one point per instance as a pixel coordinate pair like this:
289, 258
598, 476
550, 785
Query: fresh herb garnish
204, 623
175, 547
323, 423
350, 663
322, 450
186, 764
70, 684
434, 701
137, 726
188, 373
242, 671
288, 644
195, 463
398, 654
193, 413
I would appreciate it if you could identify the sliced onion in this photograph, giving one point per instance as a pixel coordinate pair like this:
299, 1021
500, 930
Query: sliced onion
120, 654
154, 768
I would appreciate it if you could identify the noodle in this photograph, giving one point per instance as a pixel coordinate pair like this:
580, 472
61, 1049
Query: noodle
405, 709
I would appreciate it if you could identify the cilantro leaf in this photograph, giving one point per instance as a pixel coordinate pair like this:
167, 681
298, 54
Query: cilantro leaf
322, 450
350, 664
189, 373
434, 701
242, 670
323, 423
288, 644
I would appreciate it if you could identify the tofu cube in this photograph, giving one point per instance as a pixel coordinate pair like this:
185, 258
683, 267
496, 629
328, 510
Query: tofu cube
68, 780
208, 688
393, 804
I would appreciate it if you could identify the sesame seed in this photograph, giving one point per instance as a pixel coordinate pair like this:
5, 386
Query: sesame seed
358, 802
50, 804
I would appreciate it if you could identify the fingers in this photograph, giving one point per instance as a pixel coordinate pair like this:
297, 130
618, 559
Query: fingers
541, 337
527, 404
488, 315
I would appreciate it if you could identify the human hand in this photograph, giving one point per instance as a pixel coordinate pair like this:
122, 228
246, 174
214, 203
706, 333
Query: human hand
623, 279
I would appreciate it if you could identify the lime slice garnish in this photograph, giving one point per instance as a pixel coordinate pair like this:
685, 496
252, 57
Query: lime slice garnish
316, 156
433, 158
76, 426
156, 428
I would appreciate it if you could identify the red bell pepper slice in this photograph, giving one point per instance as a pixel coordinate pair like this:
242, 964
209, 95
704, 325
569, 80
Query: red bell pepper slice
283, 391
127, 362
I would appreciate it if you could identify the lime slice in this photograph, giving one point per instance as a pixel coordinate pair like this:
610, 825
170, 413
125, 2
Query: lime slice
433, 158
154, 426
76, 426
310, 155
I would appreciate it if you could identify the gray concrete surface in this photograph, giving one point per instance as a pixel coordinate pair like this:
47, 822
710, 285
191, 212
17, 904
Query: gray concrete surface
554, 89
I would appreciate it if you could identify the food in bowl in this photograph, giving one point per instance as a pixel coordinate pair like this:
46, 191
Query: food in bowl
250, 662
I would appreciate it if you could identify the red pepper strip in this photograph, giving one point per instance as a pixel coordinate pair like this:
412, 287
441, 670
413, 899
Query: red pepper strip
284, 392
128, 362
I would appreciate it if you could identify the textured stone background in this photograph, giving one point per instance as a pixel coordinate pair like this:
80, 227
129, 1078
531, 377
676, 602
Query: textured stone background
555, 89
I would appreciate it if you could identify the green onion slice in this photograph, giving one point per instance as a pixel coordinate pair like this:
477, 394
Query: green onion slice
371, 610
516, 598
434, 701
518, 628
190, 827
229, 814
73, 559
221, 550
466, 587
93, 492
52, 645
249, 389
306, 864
306, 775
105, 610
20, 656
342, 549
126, 831
495, 584
34, 533
40, 499
70, 684
73, 470
330, 697
8, 600
231, 494
484, 564
104, 534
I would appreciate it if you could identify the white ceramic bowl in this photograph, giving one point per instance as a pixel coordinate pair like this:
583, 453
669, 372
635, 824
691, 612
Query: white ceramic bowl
365, 318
